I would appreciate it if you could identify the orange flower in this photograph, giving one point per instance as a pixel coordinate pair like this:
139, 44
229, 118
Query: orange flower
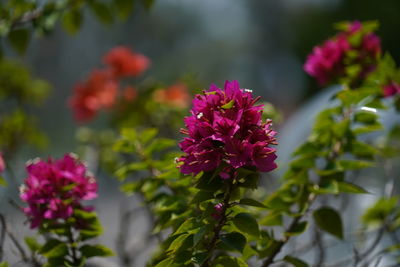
99, 91
124, 62
175, 95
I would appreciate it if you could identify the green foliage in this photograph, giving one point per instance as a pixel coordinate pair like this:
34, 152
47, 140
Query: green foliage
89, 251
246, 223
378, 213
72, 20
329, 220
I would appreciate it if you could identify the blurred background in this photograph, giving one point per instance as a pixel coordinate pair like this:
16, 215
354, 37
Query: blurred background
262, 44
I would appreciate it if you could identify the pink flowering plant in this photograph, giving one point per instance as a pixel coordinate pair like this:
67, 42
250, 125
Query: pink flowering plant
211, 199
54, 192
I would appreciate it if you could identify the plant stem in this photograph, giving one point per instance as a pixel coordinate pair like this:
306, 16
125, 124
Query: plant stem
221, 222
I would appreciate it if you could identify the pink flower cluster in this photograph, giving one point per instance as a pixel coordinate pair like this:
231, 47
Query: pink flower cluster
226, 128
2, 163
391, 89
54, 188
327, 62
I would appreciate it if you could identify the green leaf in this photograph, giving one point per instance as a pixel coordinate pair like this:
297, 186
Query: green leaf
234, 240
251, 202
225, 261
3, 264
32, 243
246, 223
298, 229
199, 235
228, 105
54, 249
200, 257
379, 211
208, 182
124, 7
102, 12
354, 164
178, 242
72, 20
366, 117
273, 218
19, 39
165, 263
95, 250
329, 220
296, 262
346, 187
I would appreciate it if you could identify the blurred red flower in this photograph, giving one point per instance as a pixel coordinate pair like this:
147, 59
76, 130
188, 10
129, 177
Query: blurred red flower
124, 62
99, 91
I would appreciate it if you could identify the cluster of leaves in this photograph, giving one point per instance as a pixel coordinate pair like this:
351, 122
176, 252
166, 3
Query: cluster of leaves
19, 92
147, 167
65, 244
21, 19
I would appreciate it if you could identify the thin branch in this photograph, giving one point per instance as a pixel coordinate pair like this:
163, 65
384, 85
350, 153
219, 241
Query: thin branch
286, 238
14, 240
2, 237
221, 222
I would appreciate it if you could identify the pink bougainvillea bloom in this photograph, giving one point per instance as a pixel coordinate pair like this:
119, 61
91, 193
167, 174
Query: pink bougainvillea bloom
327, 62
99, 91
2, 163
226, 127
391, 89
176, 95
218, 211
55, 188
124, 62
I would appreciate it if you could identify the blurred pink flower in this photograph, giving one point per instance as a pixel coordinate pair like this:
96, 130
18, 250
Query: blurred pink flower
54, 188
2, 163
391, 89
327, 63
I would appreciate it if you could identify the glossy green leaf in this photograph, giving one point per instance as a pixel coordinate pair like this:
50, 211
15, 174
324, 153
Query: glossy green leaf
32, 243
354, 164
346, 187
89, 251
225, 261
296, 262
234, 240
329, 220
54, 249
228, 105
246, 223
299, 228
251, 202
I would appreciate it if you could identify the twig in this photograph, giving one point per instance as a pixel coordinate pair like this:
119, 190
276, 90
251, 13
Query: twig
286, 238
220, 224
2, 237
14, 240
